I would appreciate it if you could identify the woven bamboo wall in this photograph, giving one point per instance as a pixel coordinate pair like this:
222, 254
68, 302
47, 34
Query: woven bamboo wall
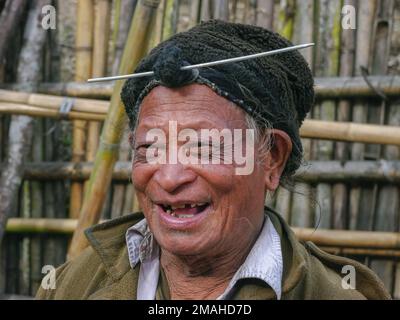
372, 48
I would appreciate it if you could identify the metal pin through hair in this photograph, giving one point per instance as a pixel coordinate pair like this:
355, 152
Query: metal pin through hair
208, 64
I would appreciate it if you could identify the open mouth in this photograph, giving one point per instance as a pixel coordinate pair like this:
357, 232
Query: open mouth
185, 211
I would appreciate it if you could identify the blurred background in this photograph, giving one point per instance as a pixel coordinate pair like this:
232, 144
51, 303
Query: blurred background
51, 121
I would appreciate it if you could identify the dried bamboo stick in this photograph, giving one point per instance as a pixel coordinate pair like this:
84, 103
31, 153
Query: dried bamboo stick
265, 13
302, 213
124, 10
125, 14
284, 25
101, 33
385, 210
321, 237
345, 238
316, 171
359, 200
83, 52
391, 152
316, 129
53, 102
351, 132
325, 87
23, 109
327, 64
106, 157
362, 252
341, 152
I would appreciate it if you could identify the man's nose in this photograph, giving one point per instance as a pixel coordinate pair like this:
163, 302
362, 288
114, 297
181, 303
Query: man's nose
173, 176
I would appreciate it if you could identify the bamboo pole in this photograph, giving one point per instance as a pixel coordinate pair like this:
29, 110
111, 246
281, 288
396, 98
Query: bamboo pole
381, 253
99, 66
302, 214
325, 88
391, 152
265, 13
22, 109
345, 238
113, 127
101, 33
53, 102
351, 132
194, 13
221, 10
327, 64
342, 150
83, 48
358, 202
284, 26
285, 19
316, 129
355, 172
124, 10
119, 192
321, 237
169, 19
386, 210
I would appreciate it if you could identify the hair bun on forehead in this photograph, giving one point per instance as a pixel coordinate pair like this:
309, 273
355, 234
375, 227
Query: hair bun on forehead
168, 66
278, 89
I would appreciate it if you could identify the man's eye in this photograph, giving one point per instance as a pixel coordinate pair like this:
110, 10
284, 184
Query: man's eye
143, 146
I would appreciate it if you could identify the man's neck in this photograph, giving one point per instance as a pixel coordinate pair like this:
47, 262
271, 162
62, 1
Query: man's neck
201, 278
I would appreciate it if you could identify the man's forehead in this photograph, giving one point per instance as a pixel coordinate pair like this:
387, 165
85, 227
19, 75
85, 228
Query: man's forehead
193, 103
197, 94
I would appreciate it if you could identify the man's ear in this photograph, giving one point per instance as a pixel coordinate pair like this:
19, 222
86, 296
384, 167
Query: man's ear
275, 162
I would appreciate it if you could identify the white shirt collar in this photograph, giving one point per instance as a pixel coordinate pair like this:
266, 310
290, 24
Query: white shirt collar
264, 261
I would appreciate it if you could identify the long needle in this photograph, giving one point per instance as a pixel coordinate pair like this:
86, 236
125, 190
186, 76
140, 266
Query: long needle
208, 64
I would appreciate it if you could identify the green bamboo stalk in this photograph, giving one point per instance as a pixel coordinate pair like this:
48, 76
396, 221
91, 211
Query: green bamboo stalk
170, 19
285, 19
113, 127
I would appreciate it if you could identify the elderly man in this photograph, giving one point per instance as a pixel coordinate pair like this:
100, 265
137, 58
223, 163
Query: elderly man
204, 232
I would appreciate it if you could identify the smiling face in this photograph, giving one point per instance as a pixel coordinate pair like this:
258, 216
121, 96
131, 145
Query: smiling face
198, 209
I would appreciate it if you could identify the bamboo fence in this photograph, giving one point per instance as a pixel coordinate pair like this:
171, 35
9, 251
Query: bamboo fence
351, 138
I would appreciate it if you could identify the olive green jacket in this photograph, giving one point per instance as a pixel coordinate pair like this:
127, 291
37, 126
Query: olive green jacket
103, 271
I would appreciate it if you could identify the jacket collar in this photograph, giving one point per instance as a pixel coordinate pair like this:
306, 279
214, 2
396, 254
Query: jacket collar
108, 240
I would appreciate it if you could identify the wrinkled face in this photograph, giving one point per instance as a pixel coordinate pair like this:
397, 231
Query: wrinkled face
195, 209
